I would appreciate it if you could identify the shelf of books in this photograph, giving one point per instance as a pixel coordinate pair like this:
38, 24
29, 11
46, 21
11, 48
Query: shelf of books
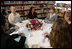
63, 6
41, 7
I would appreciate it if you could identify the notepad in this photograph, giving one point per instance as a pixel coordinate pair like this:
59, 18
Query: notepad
17, 39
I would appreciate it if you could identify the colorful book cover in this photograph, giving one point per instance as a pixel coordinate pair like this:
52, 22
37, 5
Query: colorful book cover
6, 2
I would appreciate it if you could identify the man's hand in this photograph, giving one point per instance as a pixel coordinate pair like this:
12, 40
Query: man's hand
21, 34
16, 27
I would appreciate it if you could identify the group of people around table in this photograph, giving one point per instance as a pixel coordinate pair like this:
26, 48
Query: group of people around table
60, 36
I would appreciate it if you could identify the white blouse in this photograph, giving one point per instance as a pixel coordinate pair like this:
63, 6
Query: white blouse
14, 18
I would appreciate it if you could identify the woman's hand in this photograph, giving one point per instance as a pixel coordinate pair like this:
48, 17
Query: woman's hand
69, 22
45, 34
16, 27
46, 21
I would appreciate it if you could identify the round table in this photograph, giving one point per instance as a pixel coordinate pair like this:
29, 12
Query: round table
35, 38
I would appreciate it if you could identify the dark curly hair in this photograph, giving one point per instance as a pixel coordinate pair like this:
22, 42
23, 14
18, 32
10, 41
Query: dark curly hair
60, 36
3, 11
2, 19
2, 22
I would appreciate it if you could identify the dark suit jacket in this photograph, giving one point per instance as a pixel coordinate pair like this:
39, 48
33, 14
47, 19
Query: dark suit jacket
8, 41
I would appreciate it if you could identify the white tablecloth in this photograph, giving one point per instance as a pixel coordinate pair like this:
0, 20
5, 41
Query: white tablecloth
34, 37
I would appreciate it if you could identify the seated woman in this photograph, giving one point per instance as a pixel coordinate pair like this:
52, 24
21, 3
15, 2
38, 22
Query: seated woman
68, 17
8, 41
52, 16
32, 14
60, 36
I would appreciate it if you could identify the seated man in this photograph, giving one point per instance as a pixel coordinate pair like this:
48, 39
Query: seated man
13, 17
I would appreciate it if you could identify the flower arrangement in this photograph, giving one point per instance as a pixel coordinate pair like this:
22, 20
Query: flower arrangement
34, 24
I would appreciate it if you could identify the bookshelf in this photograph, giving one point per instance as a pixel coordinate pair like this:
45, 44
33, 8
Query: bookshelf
62, 6
23, 7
